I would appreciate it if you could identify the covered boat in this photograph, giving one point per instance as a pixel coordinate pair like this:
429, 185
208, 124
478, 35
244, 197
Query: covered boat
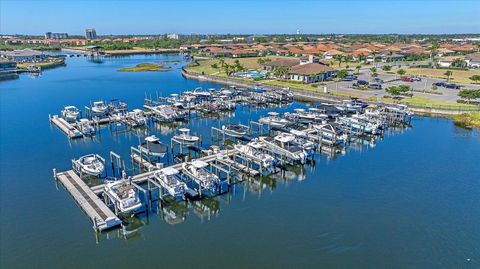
124, 195
70, 113
99, 108
153, 146
86, 127
235, 130
196, 170
185, 137
253, 151
170, 180
274, 120
91, 164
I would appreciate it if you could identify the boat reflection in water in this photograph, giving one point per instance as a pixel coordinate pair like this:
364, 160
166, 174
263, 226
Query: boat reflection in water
174, 213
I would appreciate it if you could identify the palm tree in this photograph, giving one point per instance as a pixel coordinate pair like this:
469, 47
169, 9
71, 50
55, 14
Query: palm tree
433, 50
373, 71
448, 74
222, 62
339, 58
358, 67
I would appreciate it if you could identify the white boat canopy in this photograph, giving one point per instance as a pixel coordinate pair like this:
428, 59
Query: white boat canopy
271, 113
199, 164
151, 138
169, 171
285, 138
184, 130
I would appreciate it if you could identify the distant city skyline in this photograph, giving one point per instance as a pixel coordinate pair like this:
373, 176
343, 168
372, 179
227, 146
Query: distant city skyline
239, 17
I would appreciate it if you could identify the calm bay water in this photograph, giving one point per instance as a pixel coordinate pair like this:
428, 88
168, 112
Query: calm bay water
412, 201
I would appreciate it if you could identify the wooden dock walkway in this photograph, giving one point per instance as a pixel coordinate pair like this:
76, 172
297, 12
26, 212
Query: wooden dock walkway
102, 217
67, 128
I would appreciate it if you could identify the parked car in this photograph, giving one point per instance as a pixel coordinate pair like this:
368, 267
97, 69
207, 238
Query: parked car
440, 84
378, 80
360, 83
407, 79
375, 86
452, 86
415, 78
349, 78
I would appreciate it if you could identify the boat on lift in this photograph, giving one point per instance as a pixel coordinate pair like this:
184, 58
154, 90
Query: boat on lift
253, 151
235, 130
137, 118
85, 126
99, 108
330, 134
117, 107
284, 144
169, 179
124, 194
153, 146
185, 137
196, 170
199, 93
70, 113
274, 120
91, 164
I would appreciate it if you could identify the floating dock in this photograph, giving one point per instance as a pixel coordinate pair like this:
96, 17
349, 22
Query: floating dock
101, 216
69, 129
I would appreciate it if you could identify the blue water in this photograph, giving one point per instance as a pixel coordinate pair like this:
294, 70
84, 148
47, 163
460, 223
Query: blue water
412, 201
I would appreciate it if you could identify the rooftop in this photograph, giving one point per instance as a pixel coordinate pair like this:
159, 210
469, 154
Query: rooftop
310, 69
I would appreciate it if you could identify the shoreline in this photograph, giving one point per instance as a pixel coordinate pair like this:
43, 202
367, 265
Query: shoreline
303, 95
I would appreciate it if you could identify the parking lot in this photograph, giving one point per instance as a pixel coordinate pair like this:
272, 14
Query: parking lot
447, 95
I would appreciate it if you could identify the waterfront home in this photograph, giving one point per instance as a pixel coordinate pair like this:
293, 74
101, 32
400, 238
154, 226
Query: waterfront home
25, 55
241, 53
310, 72
445, 62
473, 61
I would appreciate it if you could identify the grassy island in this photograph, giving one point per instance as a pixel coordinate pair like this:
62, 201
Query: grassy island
145, 67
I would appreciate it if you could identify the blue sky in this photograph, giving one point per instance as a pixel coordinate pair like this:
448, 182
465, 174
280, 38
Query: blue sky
247, 16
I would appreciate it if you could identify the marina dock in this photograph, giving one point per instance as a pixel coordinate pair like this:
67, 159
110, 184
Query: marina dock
70, 130
101, 216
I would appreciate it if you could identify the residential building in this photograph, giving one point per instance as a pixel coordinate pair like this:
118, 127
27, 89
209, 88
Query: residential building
25, 55
50, 35
280, 63
310, 72
473, 61
90, 34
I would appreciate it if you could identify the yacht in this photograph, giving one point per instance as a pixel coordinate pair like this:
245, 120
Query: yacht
235, 130
352, 106
185, 137
124, 194
86, 127
99, 108
153, 146
197, 171
91, 164
170, 180
70, 113
284, 145
274, 120
253, 151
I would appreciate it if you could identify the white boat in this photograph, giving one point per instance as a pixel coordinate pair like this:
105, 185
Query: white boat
185, 137
235, 130
153, 146
99, 108
70, 113
170, 180
330, 134
124, 194
91, 164
253, 150
85, 127
165, 113
137, 117
197, 171
199, 93
274, 120
283, 145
